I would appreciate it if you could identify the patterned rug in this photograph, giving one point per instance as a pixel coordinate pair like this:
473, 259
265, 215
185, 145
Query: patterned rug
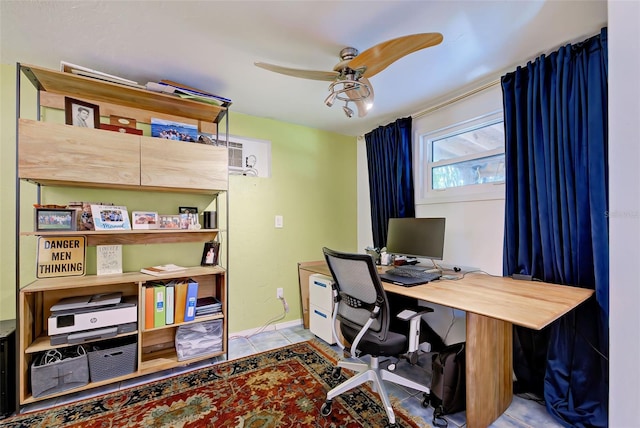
281, 388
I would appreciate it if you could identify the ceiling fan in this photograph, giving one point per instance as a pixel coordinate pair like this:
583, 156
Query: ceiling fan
350, 77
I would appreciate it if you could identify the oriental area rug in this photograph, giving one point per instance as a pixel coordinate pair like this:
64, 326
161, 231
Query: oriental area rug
284, 387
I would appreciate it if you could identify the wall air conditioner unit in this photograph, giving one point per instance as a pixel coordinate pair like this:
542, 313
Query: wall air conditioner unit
235, 158
238, 164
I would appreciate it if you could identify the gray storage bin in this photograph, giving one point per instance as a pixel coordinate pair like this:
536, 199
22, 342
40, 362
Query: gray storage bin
58, 370
112, 359
195, 340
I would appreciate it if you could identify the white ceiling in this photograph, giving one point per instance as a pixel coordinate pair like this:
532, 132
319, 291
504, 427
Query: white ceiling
212, 45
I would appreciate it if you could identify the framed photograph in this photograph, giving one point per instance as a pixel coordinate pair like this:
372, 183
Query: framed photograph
170, 130
189, 221
55, 219
169, 221
210, 254
188, 210
80, 113
110, 217
145, 220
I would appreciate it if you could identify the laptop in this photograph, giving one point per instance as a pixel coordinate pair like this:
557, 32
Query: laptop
404, 281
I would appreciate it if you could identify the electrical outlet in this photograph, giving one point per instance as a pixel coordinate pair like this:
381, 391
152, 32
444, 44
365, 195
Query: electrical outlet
280, 293
279, 222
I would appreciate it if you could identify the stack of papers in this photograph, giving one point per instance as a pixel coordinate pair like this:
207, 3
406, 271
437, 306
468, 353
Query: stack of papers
186, 92
208, 306
162, 270
79, 70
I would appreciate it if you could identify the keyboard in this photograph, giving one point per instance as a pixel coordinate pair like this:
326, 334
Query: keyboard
413, 272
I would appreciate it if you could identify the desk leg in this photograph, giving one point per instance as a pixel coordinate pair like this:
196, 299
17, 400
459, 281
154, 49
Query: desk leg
489, 362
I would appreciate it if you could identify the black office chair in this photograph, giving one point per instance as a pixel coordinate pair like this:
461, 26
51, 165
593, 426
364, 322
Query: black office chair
361, 306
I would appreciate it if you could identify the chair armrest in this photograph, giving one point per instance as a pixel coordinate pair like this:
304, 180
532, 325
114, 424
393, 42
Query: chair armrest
408, 314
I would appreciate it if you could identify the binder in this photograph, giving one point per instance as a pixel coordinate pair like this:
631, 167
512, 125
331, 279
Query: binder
180, 293
159, 302
169, 299
192, 297
149, 307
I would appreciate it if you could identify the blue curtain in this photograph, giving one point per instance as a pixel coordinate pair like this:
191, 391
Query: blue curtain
556, 226
390, 176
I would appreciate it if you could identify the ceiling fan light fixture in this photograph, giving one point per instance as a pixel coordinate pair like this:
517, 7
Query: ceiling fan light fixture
350, 89
330, 99
347, 110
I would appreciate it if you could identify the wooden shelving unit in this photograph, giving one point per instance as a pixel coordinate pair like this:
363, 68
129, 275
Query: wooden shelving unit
53, 154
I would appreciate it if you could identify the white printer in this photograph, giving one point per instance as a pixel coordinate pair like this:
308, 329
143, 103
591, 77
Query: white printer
82, 318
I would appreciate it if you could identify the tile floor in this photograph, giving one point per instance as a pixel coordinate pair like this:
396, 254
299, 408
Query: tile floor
522, 413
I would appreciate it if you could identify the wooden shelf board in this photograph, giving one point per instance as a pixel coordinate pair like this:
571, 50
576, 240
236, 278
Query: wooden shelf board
135, 236
197, 320
162, 360
88, 281
43, 343
85, 87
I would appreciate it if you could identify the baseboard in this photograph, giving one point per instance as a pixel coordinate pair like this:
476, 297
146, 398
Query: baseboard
272, 327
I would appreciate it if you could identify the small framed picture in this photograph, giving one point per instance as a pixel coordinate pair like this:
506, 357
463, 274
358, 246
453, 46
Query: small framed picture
188, 210
80, 113
145, 220
55, 219
169, 221
210, 253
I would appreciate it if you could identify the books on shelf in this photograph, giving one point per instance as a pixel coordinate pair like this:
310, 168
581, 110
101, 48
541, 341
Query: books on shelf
169, 298
149, 311
162, 269
192, 297
175, 302
159, 318
110, 217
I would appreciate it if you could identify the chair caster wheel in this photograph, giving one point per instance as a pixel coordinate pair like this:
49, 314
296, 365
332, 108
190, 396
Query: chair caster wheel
391, 367
413, 358
336, 372
325, 410
425, 400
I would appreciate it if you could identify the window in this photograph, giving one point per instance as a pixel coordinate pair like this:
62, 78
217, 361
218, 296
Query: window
463, 161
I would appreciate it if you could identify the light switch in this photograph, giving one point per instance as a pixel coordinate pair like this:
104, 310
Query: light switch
279, 222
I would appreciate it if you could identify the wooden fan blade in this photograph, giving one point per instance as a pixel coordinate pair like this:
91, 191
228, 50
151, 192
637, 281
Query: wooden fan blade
304, 74
382, 55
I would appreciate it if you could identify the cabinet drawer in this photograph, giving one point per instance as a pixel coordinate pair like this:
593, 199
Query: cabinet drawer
320, 291
56, 153
183, 165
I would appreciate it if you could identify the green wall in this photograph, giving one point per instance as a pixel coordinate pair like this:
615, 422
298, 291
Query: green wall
312, 185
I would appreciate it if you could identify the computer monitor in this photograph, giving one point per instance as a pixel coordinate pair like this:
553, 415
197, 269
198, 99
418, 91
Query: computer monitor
416, 237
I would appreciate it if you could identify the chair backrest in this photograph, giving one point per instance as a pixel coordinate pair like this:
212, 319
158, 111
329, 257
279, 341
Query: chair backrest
360, 289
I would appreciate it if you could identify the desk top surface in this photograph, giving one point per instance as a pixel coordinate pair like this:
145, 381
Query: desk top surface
530, 304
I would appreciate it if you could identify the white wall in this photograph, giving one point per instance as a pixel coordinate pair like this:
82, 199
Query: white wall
624, 202
624, 218
474, 229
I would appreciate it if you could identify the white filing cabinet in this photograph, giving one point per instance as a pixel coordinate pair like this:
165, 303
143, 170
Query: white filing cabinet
321, 307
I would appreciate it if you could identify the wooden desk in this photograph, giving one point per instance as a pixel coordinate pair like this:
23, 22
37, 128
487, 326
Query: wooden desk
493, 305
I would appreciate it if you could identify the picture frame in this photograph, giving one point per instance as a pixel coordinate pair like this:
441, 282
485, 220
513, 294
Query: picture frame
110, 217
145, 220
210, 253
169, 221
171, 130
81, 113
55, 219
188, 210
